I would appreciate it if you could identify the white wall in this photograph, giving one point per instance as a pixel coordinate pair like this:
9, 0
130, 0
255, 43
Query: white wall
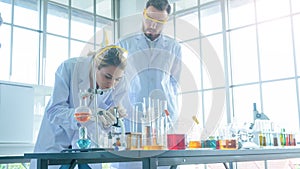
16, 115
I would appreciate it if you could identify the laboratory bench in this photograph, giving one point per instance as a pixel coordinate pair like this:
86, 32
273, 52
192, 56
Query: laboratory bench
151, 159
13, 159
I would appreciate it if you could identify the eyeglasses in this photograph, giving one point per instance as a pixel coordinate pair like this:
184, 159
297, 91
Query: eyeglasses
152, 19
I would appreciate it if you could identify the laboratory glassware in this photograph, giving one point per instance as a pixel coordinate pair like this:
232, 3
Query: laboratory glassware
83, 114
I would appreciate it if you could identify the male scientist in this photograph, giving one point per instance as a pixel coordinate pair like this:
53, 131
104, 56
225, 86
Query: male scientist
154, 60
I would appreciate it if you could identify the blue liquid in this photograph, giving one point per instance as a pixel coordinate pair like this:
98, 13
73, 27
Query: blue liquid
84, 143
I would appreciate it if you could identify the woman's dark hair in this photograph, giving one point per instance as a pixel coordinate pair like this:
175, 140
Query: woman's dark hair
160, 5
111, 56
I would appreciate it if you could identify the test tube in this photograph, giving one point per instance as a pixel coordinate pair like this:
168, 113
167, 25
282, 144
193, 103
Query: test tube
146, 124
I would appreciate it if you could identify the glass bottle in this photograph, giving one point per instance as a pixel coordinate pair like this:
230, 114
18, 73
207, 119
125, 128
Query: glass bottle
83, 141
282, 137
110, 140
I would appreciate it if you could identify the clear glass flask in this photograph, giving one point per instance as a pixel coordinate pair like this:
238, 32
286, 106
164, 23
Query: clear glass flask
83, 114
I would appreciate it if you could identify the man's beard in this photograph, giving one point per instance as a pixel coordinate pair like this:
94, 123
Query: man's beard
151, 35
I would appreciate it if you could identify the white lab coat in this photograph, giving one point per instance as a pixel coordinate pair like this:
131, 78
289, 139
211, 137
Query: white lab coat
153, 70
59, 129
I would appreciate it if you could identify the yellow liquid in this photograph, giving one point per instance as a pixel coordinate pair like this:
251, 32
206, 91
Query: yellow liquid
194, 144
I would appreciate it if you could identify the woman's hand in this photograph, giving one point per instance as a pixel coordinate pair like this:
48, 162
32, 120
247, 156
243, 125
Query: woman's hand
106, 118
120, 109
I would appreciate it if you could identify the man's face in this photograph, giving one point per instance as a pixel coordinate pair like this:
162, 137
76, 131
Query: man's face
154, 21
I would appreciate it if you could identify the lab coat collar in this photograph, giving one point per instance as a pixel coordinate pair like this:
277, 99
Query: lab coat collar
155, 40
81, 76
159, 40
84, 67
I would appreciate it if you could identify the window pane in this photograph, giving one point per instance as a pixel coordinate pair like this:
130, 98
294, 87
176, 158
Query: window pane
269, 9
211, 19
26, 13
297, 40
104, 37
104, 8
190, 105
276, 52
187, 27
190, 78
168, 28
295, 6
102, 27
82, 26
213, 61
280, 103
244, 55
241, 13
214, 109
57, 20
5, 52
205, 1
181, 5
80, 48
54, 57
64, 2
243, 98
25, 56
85, 5
5, 10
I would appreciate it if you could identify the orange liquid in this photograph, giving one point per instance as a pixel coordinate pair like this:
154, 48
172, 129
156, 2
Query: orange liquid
194, 144
230, 144
82, 117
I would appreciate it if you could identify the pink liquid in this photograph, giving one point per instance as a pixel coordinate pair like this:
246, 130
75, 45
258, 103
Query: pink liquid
176, 141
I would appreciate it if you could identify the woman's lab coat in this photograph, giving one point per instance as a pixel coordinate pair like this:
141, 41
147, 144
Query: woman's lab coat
59, 129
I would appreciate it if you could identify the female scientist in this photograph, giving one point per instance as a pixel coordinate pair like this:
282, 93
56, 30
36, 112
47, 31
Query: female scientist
59, 128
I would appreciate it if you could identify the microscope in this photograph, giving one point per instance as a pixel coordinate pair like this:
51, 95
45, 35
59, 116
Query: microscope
248, 136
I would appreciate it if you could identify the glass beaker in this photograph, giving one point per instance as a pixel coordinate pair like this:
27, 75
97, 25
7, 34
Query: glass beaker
194, 137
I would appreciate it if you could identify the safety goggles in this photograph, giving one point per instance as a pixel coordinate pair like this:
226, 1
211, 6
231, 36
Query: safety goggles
105, 49
152, 19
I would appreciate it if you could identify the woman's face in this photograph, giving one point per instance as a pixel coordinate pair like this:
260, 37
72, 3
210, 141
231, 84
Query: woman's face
108, 77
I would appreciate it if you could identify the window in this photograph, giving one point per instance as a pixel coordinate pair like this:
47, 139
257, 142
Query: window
275, 49
25, 54
54, 57
5, 51
57, 19
211, 19
244, 59
104, 8
26, 13
258, 63
82, 25
241, 14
